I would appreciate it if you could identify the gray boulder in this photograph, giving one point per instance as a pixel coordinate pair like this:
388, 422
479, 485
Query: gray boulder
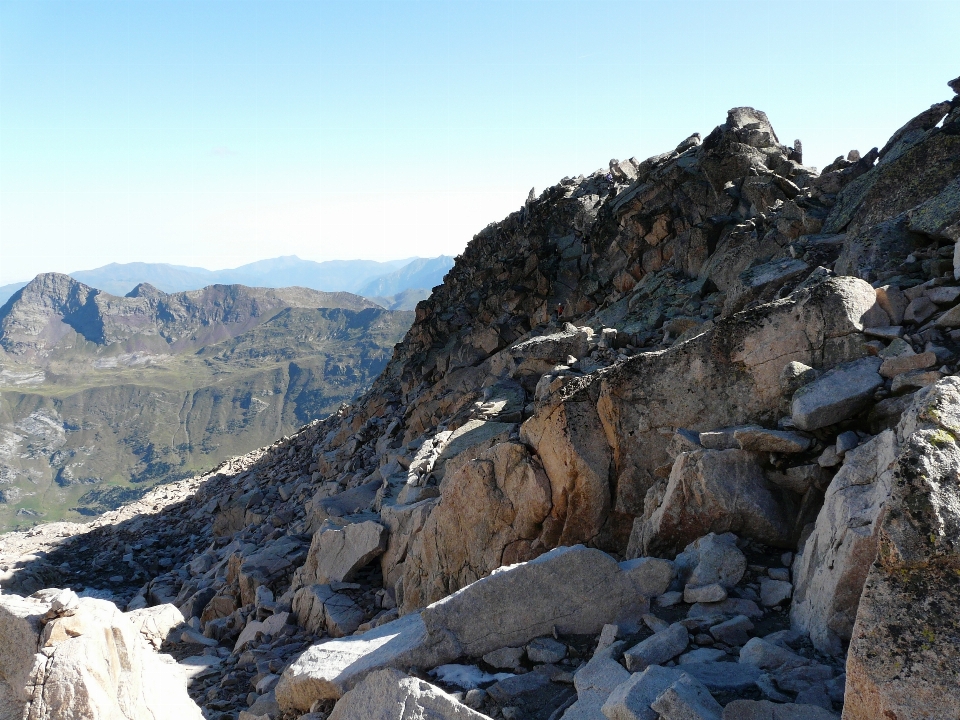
507, 608
839, 395
687, 699
631, 700
586, 587
711, 491
331, 668
594, 683
335, 555
658, 648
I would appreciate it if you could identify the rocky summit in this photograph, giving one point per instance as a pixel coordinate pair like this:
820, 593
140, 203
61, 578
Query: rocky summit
679, 439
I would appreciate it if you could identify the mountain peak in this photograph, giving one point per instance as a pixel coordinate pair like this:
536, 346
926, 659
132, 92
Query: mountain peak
145, 290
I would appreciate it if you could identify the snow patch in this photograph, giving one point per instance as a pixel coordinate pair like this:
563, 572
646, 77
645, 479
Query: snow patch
466, 677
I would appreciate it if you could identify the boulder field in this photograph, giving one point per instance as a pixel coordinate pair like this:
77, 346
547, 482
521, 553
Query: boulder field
676, 440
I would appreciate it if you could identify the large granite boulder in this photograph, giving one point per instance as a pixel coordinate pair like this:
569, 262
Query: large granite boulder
575, 590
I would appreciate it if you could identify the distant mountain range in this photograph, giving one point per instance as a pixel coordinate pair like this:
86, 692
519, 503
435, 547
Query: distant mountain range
102, 395
397, 284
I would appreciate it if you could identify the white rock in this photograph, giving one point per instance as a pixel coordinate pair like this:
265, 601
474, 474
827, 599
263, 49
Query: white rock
687, 699
840, 394
594, 682
832, 564
658, 648
97, 666
156, 623
631, 700
774, 592
391, 695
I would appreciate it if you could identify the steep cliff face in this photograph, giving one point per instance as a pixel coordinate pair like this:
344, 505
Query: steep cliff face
730, 377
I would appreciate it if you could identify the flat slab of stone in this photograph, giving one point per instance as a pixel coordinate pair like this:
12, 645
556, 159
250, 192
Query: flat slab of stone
731, 607
576, 590
468, 441
838, 395
763, 440
329, 669
884, 333
658, 648
724, 676
723, 438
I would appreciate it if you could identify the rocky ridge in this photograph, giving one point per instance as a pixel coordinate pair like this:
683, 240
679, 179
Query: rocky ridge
678, 439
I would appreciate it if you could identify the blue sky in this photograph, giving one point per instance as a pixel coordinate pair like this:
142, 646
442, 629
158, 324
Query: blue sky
218, 132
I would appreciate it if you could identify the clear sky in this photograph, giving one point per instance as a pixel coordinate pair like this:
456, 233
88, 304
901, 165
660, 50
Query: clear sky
218, 132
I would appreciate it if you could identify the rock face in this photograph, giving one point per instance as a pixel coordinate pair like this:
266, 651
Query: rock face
832, 565
903, 669
84, 661
493, 512
721, 378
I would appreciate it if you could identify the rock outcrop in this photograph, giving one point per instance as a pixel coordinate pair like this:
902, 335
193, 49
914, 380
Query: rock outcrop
64, 656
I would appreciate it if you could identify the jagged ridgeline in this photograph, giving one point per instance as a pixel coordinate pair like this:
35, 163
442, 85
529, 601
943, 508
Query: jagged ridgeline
103, 396
676, 440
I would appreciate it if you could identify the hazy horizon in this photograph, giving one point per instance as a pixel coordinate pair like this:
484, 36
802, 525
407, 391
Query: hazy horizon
225, 269
198, 134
